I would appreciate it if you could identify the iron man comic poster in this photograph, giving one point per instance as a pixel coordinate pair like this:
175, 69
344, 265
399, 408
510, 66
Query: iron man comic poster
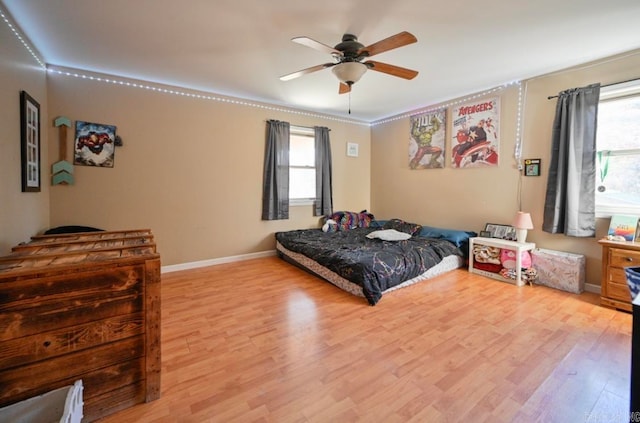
94, 144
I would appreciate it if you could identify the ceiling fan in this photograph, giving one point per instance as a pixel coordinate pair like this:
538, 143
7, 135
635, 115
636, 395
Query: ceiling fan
349, 56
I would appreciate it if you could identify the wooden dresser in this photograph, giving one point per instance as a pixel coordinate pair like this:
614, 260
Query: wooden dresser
82, 306
616, 256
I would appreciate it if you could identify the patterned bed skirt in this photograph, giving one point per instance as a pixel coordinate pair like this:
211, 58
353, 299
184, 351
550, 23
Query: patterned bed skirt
447, 264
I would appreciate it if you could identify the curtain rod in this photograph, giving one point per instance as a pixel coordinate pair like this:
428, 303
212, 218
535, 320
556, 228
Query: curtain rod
606, 85
297, 126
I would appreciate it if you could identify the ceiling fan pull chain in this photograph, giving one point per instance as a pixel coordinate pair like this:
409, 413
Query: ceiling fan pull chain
349, 102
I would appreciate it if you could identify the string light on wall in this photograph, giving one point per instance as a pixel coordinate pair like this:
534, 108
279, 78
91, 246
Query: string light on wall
446, 105
22, 40
229, 100
517, 154
123, 82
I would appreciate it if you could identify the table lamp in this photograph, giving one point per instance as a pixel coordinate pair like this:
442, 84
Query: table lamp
522, 223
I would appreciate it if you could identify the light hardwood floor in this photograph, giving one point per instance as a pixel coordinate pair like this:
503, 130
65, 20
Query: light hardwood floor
263, 341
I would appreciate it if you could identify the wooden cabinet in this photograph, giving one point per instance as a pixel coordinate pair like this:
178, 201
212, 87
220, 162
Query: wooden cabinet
616, 256
82, 306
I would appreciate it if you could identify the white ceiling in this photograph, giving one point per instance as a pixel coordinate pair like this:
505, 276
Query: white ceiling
241, 47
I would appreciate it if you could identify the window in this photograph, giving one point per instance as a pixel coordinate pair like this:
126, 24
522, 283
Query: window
618, 150
302, 166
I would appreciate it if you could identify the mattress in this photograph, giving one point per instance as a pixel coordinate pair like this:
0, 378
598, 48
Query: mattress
368, 267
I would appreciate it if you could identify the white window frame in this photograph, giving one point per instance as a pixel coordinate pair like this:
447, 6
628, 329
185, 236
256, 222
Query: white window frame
615, 92
307, 132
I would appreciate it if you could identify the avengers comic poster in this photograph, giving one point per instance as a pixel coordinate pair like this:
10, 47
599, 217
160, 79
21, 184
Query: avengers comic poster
94, 144
426, 143
476, 134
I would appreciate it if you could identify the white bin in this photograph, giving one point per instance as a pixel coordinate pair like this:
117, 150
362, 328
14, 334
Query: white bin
560, 270
62, 405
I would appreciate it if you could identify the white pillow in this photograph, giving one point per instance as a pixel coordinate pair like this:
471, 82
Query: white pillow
389, 235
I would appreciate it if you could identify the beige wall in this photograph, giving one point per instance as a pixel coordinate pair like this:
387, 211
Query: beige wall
190, 169
453, 198
21, 214
469, 198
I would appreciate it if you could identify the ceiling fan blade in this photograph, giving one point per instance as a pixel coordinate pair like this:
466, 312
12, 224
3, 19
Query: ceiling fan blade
306, 41
344, 88
299, 73
391, 69
401, 39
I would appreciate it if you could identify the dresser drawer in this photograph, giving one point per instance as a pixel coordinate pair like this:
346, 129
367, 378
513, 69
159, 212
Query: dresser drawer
623, 258
616, 275
616, 255
618, 291
616, 284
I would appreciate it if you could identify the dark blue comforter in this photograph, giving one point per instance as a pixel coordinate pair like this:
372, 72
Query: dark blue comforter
373, 264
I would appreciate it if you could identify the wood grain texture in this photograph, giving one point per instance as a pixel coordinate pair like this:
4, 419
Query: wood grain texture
26, 381
90, 310
153, 329
29, 349
617, 255
263, 341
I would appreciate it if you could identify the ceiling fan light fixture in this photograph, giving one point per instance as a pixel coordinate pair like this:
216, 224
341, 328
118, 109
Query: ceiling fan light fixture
349, 72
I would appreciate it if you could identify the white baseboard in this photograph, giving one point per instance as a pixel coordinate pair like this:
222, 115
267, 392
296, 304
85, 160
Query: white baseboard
213, 262
592, 288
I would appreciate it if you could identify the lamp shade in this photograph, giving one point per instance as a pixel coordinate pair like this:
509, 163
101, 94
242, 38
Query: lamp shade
522, 221
349, 72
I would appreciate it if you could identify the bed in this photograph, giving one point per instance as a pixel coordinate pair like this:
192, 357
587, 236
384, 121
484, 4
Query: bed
367, 260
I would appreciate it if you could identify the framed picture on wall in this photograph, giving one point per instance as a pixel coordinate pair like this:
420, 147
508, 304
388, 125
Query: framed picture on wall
94, 144
532, 167
352, 149
30, 142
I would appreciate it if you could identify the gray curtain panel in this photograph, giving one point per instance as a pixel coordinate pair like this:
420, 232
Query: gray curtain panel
323, 204
570, 200
275, 185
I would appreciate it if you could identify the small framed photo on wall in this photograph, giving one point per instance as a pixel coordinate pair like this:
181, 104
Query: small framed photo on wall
352, 149
532, 167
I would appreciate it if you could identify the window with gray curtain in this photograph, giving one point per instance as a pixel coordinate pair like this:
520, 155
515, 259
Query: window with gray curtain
275, 185
570, 198
323, 204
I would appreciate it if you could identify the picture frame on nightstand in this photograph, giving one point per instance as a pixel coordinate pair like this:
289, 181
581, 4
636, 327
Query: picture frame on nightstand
495, 230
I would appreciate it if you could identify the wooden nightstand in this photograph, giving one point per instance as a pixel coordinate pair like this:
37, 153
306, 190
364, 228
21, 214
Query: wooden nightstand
616, 255
518, 247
